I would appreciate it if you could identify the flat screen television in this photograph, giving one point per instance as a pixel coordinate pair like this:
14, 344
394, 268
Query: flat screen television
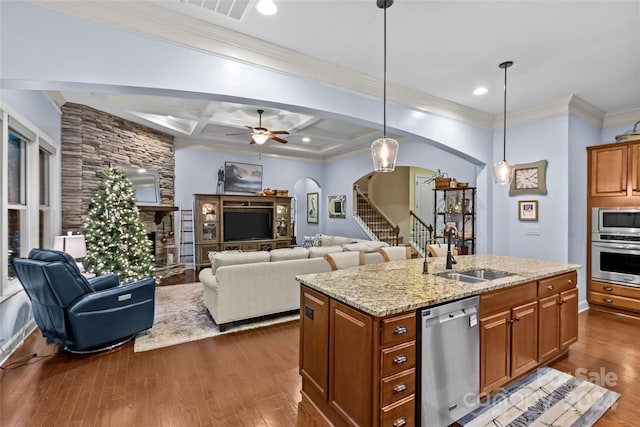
247, 225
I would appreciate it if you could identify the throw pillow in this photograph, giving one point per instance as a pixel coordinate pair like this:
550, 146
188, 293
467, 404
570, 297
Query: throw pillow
370, 246
321, 251
326, 240
284, 254
311, 241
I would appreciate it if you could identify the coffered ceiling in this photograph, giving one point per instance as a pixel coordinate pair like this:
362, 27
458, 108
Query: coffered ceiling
438, 50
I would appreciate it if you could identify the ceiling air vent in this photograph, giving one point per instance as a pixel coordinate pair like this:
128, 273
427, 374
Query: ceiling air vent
231, 8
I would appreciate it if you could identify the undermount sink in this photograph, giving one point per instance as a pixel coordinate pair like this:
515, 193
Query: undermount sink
474, 276
461, 277
486, 274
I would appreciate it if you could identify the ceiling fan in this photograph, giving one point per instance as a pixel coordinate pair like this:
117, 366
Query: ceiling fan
260, 135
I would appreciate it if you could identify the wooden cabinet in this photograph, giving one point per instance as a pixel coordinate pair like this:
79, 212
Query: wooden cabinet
314, 341
358, 370
613, 297
614, 170
508, 340
558, 321
613, 181
232, 222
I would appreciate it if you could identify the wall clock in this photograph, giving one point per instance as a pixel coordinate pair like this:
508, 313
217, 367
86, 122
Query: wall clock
529, 178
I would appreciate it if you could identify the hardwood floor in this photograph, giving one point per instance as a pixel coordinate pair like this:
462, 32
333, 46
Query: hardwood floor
245, 379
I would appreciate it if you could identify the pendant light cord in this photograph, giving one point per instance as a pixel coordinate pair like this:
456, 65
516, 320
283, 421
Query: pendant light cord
384, 74
504, 116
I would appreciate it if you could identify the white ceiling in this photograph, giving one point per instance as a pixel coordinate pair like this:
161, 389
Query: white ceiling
441, 49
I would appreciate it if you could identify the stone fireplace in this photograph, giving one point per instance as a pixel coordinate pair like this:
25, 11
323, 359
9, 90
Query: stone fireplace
93, 140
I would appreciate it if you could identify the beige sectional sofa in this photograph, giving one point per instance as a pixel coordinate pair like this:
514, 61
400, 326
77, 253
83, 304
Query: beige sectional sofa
244, 285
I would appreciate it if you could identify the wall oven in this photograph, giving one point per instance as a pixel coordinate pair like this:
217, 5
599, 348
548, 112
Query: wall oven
615, 245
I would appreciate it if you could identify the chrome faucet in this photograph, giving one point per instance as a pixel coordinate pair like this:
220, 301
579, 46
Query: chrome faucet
450, 259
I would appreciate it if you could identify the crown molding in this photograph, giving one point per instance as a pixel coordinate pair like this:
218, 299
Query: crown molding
621, 117
163, 24
570, 104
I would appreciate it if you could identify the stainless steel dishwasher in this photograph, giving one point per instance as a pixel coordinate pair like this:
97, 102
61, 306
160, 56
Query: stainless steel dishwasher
450, 362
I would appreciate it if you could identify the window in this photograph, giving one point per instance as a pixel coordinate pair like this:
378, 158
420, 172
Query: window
16, 195
29, 162
44, 217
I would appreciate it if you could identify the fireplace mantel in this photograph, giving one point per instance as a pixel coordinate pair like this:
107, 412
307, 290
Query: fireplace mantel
160, 211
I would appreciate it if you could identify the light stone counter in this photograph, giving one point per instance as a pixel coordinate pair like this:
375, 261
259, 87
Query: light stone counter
394, 287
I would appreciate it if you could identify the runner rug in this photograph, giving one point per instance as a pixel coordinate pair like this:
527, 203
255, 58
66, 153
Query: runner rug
180, 316
545, 398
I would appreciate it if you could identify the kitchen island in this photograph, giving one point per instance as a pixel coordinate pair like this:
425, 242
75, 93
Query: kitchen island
358, 333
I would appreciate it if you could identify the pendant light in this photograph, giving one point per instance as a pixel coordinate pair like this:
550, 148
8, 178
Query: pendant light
503, 171
384, 150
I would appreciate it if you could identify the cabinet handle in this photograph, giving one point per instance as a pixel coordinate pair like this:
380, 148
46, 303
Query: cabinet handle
399, 330
570, 281
608, 300
561, 302
400, 359
400, 422
517, 319
550, 287
399, 388
608, 288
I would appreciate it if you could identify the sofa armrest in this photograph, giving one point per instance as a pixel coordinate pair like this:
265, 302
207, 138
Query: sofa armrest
105, 281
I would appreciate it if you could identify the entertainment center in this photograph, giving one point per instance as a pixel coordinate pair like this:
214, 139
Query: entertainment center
249, 223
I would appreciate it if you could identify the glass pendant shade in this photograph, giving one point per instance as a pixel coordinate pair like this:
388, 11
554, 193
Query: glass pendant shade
384, 152
502, 173
260, 137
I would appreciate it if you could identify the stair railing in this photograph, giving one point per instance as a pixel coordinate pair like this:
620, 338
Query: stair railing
422, 233
384, 229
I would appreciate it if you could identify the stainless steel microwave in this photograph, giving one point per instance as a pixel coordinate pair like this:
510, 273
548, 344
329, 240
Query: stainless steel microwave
615, 220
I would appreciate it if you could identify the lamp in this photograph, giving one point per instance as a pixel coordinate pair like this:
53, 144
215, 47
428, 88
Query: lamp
384, 150
73, 244
503, 171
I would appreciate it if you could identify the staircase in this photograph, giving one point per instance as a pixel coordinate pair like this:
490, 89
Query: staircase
422, 234
374, 221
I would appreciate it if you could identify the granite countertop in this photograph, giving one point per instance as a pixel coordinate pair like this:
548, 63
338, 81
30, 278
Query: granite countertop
394, 287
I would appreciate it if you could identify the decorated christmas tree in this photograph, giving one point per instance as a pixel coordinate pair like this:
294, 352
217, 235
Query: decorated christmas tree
114, 232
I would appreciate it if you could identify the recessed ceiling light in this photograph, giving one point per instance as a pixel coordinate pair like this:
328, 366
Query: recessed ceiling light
480, 91
267, 7
306, 139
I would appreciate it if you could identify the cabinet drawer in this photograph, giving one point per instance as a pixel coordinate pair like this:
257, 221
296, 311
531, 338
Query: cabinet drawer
501, 299
620, 290
614, 301
398, 358
400, 414
398, 329
553, 285
397, 387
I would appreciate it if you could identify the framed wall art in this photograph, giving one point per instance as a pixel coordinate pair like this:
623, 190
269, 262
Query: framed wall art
528, 210
337, 206
242, 177
529, 178
312, 208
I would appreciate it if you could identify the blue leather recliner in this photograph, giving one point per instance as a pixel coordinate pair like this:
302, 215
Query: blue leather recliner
83, 315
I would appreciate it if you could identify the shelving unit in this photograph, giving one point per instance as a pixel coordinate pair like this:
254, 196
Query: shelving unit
209, 225
186, 235
456, 205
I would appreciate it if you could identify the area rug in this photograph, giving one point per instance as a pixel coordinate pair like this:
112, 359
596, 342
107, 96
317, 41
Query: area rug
545, 398
180, 316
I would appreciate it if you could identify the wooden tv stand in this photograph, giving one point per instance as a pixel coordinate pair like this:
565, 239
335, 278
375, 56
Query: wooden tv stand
208, 225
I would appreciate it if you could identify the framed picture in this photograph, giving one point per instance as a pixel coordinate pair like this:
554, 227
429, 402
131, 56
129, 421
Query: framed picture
242, 177
337, 206
529, 178
528, 210
312, 208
